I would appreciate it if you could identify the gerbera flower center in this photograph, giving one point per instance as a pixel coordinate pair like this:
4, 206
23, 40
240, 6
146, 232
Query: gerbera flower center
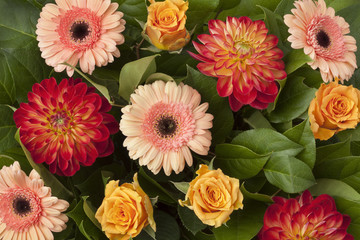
80, 30
20, 208
166, 126
323, 39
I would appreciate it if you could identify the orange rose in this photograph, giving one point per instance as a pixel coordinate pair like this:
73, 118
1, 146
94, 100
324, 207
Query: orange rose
213, 196
335, 108
125, 210
165, 24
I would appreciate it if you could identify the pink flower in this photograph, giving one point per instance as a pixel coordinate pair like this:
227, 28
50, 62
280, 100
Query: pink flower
245, 60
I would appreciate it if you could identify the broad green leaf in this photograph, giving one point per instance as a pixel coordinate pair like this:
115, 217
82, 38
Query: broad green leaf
257, 120
227, 4
17, 154
7, 83
17, 23
134, 73
181, 186
7, 129
190, 221
351, 208
284, 7
264, 141
5, 161
199, 12
352, 134
294, 100
23, 70
334, 188
134, 9
153, 189
90, 212
86, 226
332, 151
295, 59
312, 78
303, 135
272, 105
57, 188
337, 5
218, 106
243, 224
239, 161
158, 76
289, 173
255, 196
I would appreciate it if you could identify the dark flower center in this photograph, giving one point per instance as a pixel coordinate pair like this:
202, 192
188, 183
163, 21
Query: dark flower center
166, 126
21, 206
80, 30
323, 39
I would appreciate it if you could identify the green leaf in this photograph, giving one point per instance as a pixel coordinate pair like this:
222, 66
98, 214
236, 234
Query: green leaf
134, 9
334, 188
289, 173
352, 134
158, 76
219, 107
5, 161
243, 224
351, 208
7, 129
90, 212
17, 30
227, 4
86, 226
102, 89
239, 161
294, 100
295, 59
303, 135
337, 5
264, 141
153, 189
257, 120
255, 196
134, 73
57, 188
332, 151
190, 221
199, 12
17, 154
181, 186
7, 83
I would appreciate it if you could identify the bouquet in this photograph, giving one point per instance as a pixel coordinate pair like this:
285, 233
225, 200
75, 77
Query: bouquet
179, 119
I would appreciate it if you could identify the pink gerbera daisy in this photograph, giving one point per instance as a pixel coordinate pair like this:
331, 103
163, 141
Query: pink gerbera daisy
322, 35
27, 209
84, 31
162, 123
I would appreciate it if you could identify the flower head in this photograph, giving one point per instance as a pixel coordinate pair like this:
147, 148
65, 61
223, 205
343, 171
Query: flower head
335, 108
125, 210
27, 207
81, 31
165, 24
322, 35
162, 123
304, 218
213, 196
245, 60
65, 125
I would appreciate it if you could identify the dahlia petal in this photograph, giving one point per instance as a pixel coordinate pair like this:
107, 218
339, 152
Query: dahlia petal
224, 86
234, 103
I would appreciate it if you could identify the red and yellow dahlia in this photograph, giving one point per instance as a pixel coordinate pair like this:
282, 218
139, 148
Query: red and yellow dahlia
65, 125
245, 60
305, 218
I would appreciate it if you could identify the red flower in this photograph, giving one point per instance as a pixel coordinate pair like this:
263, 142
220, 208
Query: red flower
305, 218
245, 60
65, 125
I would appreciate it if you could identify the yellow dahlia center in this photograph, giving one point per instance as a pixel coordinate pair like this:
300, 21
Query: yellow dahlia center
243, 47
60, 121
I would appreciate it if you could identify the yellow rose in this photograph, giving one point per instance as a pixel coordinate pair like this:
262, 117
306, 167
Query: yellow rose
335, 108
125, 210
165, 24
213, 196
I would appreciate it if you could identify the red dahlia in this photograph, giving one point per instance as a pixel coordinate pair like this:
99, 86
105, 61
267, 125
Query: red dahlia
65, 125
305, 218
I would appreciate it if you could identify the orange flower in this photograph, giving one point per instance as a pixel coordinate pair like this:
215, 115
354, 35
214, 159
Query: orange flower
335, 108
165, 24
213, 196
244, 58
125, 210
